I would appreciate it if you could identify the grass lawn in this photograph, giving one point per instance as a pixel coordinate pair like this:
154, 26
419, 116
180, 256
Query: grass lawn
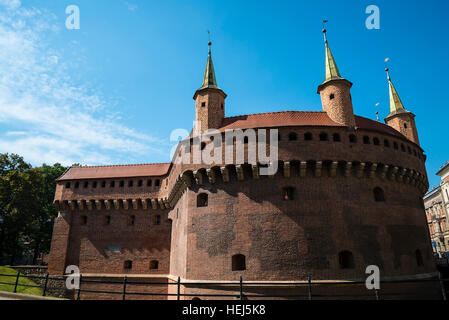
12, 280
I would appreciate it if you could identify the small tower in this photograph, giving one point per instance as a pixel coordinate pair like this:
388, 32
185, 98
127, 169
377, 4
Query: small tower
335, 92
209, 101
399, 118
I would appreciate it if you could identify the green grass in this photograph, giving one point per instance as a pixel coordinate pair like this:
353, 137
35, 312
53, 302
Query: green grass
12, 280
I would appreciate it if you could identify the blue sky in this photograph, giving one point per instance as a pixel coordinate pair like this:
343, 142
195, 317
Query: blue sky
113, 91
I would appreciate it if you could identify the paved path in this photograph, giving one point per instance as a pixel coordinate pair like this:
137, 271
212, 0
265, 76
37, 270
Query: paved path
18, 296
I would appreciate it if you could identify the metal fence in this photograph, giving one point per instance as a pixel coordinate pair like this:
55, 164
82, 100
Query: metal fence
240, 286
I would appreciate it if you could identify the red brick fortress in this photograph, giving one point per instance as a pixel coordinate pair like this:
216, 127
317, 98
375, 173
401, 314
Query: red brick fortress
347, 194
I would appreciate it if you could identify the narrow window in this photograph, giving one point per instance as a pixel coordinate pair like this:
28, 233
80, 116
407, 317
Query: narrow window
154, 265
238, 262
308, 136
107, 220
324, 137
83, 220
409, 150
112, 184
94, 184
131, 220
67, 185
332, 96
202, 200
279, 137
245, 140
402, 148
149, 183
77, 185
352, 138
346, 260
366, 140
139, 183
128, 265
386, 143
157, 220
158, 183
415, 153
288, 193
103, 184
405, 126
86, 184
419, 259
376, 141
222, 106
395, 146
292, 136
122, 184
130, 183
379, 195
337, 137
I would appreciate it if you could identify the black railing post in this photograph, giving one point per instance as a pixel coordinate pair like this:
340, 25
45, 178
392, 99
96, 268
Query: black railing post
125, 279
309, 281
79, 288
45, 285
178, 295
443, 291
241, 288
17, 282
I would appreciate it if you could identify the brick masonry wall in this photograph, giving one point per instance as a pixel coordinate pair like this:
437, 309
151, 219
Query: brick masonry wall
340, 107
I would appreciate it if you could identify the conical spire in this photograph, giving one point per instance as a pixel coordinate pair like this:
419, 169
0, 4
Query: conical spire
331, 67
209, 80
396, 105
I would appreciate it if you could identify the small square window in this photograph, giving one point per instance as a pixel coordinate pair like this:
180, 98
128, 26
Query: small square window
149, 183
86, 184
77, 185
203, 104
130, 183
128, 265
122, 184
139, 183
67, 185
112, 184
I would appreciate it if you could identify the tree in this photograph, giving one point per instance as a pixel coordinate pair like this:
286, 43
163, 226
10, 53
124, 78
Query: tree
26, 210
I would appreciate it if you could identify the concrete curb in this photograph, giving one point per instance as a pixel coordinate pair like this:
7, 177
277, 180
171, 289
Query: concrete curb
19, 296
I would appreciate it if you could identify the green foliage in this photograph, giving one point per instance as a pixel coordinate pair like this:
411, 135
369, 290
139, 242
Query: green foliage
26, 210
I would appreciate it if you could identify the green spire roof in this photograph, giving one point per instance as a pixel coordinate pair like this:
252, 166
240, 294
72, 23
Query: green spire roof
331, 67
396, 105
209, 80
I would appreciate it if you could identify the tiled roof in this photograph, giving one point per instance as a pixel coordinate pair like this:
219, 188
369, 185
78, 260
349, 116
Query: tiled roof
299, 118
124, 171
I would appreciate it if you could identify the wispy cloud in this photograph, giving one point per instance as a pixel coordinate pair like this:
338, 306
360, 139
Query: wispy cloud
130, 6
49, 118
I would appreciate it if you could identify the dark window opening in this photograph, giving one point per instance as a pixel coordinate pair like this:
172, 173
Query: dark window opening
107, 220
154, 265
238, 262
203, 104
324, 137
288, 193
128, 265
157, 220
77, 185
386, 143
203, 145
83, 220
337, 137
376, 141
395, 146
292, 136
419, 259
379, 195
222, 106
308, 136
122, 184
409, 150
139, 183
103, 184
94, 184
149, 183
332, 96
130, 183
279, 137
346, 260
402, 148
67, 185
405, 125
202, 200
415, 153
131, 220
86, 184
112, 184
245, 140
366, 140
352, 138
158, 183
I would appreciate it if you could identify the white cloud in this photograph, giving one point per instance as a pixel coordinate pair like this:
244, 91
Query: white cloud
51, 119
131, 7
